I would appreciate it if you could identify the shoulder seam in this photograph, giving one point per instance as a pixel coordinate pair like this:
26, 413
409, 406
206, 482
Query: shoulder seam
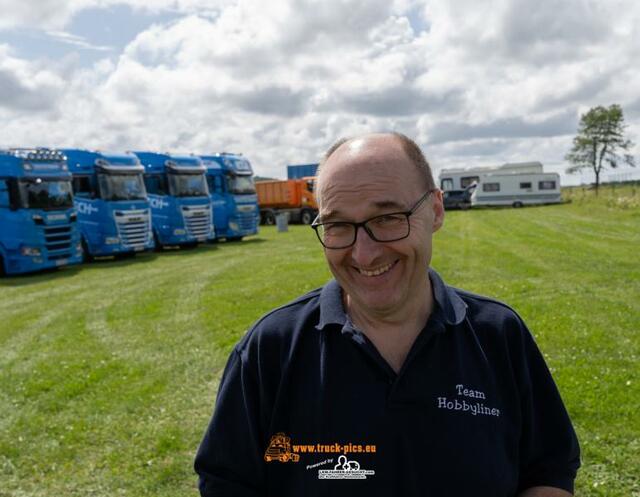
474, 296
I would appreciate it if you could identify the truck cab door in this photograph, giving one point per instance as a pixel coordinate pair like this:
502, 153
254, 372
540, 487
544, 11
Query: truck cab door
220, 202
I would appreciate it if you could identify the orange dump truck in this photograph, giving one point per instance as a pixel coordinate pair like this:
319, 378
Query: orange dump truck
294, 196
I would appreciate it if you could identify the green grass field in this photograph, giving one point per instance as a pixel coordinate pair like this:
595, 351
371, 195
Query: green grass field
108, 371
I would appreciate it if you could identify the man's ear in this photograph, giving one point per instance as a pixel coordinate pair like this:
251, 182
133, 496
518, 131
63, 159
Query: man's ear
438, 209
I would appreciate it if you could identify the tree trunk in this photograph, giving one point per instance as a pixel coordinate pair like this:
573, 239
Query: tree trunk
597, 181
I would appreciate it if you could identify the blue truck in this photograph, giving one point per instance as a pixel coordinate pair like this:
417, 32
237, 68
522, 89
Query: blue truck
233, 195
38, 223
177, 189
114, 215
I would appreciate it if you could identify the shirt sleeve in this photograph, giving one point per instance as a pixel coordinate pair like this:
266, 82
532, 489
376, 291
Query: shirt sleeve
549, 450
229, 459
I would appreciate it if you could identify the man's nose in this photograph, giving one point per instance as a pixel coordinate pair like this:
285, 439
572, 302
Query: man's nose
365, 250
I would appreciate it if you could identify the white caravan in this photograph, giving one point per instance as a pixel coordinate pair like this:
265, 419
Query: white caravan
509, 184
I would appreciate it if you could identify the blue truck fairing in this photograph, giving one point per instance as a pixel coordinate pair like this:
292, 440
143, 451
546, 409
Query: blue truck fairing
38, 223
298, 171
179, 197
114, 214
233, 194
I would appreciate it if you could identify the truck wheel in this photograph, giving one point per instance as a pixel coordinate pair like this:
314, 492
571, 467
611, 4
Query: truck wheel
306, 217
2, 271
269, 218
234, 239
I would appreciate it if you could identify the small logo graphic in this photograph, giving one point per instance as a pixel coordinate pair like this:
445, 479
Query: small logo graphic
279, 449
345, 470
85, 207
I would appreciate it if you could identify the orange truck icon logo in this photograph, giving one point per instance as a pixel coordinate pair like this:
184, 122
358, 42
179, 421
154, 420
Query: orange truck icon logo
280, 449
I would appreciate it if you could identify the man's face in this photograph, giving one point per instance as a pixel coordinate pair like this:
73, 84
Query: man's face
368, 177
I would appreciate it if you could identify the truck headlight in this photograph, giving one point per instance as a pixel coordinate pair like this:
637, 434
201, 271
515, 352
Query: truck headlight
30, 251
234, 226
111, 240
179, 231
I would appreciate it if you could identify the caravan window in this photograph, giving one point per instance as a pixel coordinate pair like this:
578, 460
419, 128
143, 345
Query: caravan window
490, 187
546, 185
467, 180
446, 184
525, 186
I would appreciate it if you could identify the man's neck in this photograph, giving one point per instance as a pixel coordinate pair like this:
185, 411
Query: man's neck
393, 333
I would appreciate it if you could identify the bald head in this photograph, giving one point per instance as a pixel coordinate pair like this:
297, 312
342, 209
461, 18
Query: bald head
384, 152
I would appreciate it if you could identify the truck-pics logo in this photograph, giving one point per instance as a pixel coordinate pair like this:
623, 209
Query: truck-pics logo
279, 449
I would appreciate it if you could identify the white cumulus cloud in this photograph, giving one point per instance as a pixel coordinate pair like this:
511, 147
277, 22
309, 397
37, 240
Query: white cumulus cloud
474, 82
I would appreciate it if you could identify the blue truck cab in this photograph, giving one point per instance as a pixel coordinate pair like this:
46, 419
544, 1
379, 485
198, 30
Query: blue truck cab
114, 215
233, 194
180, 204
38, 223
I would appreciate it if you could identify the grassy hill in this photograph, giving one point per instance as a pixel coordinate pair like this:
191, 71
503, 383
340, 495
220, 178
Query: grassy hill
108, 371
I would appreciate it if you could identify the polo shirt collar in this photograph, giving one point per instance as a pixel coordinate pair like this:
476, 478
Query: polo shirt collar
452, 308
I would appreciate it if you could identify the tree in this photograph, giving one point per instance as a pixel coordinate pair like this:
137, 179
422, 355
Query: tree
599, 140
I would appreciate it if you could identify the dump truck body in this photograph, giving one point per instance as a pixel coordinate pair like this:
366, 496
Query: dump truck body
294, 197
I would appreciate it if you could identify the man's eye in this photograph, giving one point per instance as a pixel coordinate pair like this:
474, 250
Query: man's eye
335, 229
387, 220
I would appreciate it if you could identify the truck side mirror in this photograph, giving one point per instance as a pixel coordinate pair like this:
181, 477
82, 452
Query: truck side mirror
4, 195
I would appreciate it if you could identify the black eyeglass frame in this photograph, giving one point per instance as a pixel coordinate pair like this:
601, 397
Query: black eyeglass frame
315, 224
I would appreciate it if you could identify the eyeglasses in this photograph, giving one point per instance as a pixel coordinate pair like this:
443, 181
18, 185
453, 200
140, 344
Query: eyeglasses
384, 228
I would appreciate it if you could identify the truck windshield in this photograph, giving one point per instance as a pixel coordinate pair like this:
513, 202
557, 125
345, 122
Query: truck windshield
39, 193
240, 184
121, 187
188, 185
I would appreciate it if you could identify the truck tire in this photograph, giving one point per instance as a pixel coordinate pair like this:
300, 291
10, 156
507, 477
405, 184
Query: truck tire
2, 271
269, 218
234, 239
306, 217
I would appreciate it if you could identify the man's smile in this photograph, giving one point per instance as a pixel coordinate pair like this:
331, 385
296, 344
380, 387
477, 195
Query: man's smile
376, 271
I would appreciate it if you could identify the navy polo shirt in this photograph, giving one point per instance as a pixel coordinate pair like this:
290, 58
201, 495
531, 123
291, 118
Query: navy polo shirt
307, 406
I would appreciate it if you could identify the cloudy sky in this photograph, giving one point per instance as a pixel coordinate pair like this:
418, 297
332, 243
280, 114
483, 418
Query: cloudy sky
475, 83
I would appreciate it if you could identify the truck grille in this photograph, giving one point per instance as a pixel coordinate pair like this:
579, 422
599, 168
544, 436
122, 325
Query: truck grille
134, 227
246, 221
57, 242
197, 221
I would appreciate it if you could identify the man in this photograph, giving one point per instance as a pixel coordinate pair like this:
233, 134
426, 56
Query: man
386, 381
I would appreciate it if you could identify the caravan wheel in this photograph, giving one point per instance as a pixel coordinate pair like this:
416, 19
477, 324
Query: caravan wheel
517, 204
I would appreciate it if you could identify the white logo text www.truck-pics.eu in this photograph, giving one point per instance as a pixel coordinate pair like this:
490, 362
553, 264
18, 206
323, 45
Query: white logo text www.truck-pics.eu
345, 470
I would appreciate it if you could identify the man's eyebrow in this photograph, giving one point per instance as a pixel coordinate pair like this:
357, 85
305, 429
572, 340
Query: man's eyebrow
390, 204
382, 204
